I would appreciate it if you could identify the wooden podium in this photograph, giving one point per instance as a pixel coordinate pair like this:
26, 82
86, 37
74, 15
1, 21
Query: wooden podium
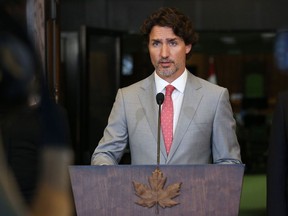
109, 191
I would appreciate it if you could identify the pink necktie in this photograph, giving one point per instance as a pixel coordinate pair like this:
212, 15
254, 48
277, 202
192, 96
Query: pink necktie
167, 118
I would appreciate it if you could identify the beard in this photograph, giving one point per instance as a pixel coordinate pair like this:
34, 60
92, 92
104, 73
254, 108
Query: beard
166, 71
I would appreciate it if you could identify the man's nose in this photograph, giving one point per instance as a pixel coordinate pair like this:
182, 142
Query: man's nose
164, 51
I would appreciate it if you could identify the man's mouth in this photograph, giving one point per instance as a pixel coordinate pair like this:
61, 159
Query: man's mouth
165, 64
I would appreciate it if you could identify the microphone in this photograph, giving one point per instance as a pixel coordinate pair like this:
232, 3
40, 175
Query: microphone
159, 100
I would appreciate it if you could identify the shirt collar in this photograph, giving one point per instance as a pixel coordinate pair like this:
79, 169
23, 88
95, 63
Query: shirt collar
179, 83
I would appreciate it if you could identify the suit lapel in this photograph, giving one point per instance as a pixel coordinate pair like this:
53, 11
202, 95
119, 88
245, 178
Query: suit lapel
147, 98
149, 105
191, 100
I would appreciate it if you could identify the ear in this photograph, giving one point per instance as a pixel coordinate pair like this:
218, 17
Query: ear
188, 48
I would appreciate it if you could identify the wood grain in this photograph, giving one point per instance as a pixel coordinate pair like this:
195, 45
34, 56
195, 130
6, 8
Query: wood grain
206, 189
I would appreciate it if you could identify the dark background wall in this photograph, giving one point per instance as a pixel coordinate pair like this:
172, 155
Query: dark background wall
207, 14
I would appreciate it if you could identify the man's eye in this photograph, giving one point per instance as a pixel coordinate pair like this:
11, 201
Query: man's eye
155, 43
173, 43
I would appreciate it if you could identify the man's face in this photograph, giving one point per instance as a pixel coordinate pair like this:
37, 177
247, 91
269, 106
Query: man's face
167, 53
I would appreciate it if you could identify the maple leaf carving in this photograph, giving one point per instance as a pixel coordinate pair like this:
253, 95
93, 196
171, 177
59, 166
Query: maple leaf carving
156, 194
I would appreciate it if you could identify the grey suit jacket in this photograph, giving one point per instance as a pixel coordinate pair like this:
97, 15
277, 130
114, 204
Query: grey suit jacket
205, 131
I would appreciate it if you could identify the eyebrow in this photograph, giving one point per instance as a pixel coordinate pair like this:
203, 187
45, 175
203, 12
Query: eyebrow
172, 39
167, 39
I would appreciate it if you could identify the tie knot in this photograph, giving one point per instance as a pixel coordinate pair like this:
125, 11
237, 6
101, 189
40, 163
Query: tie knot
169, 89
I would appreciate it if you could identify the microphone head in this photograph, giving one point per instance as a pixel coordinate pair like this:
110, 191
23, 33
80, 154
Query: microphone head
160, 98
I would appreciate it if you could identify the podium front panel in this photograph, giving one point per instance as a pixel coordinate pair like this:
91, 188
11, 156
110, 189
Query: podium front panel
205, 189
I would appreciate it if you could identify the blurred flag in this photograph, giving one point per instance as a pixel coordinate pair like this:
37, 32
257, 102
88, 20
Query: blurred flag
211, 72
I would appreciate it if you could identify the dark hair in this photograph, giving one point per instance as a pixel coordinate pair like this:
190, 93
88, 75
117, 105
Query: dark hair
173, 18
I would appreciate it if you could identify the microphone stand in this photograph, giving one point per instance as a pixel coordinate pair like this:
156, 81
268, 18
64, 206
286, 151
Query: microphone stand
158, 136
159, 100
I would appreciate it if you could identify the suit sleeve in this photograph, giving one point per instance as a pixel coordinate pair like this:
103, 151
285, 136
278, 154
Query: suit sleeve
114, 141
225, 146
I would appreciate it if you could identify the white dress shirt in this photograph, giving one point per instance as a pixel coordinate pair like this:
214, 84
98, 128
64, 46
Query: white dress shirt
177, 95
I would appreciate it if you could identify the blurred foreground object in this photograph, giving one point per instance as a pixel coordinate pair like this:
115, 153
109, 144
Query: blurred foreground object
17, 72
53, 197
23, 91
11, 203
17, 68
281, 50
277, 169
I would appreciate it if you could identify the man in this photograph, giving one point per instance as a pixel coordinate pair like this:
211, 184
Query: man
203, 128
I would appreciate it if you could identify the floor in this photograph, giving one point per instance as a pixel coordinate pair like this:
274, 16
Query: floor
253, 197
